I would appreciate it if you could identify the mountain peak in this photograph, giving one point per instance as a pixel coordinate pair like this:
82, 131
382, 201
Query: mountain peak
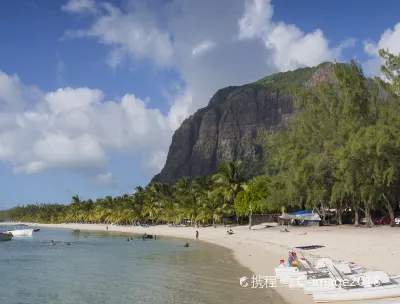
226, 129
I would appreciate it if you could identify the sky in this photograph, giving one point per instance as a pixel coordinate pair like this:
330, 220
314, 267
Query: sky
91, 92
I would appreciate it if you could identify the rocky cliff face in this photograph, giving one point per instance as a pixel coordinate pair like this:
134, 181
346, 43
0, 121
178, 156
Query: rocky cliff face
226, 129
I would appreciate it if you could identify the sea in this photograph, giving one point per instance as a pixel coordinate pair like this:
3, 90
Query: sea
114, 268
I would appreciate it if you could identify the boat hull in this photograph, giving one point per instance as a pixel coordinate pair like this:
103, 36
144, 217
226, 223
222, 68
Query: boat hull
358, 294
21, 232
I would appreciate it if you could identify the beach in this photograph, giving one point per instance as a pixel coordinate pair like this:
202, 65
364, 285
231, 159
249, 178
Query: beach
260, 250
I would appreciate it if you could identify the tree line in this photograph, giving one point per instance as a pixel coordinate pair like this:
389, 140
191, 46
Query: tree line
340, 151
205, 199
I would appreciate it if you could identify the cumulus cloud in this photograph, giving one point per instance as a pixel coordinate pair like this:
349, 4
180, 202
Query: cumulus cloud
289, 47
76, 128
390, 40
133, 34
256, 19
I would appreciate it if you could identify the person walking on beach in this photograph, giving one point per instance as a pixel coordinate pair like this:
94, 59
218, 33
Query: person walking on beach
197, 234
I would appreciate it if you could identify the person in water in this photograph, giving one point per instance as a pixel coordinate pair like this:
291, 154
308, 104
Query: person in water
52, 243
67, 243
197, 234
186, 245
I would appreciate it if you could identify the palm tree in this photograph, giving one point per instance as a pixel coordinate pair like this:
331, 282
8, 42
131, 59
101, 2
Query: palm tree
213, 207
229, 180
189, 196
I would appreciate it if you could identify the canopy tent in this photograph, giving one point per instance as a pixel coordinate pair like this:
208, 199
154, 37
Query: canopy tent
301, 212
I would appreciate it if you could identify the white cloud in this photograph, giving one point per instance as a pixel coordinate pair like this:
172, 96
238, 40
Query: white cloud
289, 47
79, 6
390, 40
256, 19
134, 34
202, 47
76, 128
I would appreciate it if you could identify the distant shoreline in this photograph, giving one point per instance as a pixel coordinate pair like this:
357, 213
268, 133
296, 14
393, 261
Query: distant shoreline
261, 250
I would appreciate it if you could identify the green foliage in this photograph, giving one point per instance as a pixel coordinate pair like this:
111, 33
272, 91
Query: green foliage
341, 148
254, 195
391, 69
286, 81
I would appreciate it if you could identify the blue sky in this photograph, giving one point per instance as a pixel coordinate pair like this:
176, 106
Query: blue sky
92, 91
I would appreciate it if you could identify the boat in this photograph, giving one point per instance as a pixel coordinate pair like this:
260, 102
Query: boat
392, 290
18, 231
36, 230
76, 230
366, 278
310, 280
4, 236
305, 273
258, 227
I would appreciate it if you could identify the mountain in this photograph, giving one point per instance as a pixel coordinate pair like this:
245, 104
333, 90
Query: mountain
226, 129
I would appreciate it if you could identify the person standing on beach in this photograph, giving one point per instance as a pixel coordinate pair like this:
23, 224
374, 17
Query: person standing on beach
197, 234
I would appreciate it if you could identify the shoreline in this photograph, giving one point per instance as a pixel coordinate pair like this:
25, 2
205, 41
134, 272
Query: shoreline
260, 250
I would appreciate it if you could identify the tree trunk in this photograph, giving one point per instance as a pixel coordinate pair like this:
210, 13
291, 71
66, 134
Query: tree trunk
323, 212
390, 210
339, 217
368, 220
391, 215
356, 219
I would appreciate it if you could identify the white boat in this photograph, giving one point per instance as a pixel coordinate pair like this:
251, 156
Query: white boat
20, 232
299, 277
373, 285
304, 266
258, 227
369, 277
305, 281
358, 294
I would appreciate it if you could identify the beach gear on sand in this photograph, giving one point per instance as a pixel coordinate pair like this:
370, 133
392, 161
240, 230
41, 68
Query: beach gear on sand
335, 281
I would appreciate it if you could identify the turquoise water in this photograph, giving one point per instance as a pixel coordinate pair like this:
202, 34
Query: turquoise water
106, 268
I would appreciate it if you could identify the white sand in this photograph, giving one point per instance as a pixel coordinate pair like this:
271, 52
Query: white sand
260, 250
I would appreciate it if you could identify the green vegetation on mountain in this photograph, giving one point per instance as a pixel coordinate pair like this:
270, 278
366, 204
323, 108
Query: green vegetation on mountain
341, 151
287, 81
